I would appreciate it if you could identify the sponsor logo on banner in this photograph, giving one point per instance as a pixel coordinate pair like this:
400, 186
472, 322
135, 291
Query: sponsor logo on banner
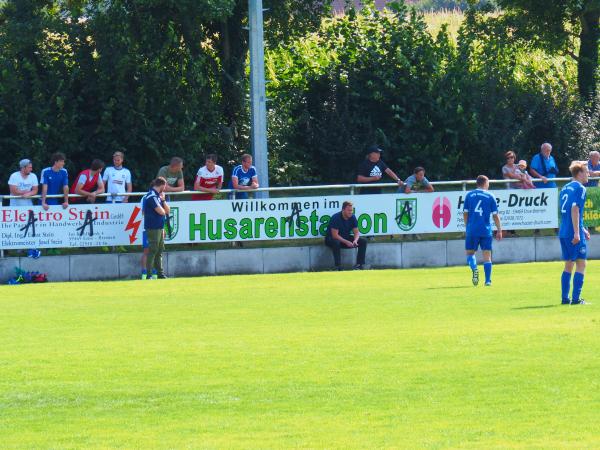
441, 213
133, 224
172, 224
406, 213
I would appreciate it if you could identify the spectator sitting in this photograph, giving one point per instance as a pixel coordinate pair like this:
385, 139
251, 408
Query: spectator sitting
55, 180
209, 179
88, 183
417, 182
244, 178
594, 168
544, 166
117, 180
527, 183
371, 170
338, 236
24, 183
173, 173
511, 171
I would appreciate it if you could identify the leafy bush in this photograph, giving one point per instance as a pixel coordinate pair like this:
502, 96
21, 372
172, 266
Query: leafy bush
372, 76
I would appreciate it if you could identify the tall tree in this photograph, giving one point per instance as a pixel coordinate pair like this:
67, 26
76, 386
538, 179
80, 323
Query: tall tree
556, 26
284, 19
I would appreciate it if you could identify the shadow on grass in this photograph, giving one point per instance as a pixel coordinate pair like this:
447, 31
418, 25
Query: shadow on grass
446, 287
538, 307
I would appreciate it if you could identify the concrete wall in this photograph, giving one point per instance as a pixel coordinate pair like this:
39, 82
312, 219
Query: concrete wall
284, 259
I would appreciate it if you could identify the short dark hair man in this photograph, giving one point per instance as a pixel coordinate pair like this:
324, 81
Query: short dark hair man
89, 183
209, 179
55, 180
173, 173
156, 210
372, 168
417, 182
338, 235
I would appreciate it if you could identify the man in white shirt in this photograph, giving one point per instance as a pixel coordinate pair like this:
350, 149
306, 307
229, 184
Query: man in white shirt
23, 183
117, 180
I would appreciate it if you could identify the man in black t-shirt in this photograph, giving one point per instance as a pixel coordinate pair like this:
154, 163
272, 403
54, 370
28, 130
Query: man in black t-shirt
338, 236
372, 168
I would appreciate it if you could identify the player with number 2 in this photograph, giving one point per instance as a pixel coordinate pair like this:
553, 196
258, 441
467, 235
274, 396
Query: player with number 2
572, 233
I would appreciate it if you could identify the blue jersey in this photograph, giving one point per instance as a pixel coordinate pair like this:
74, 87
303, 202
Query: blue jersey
152, 219
55, 182
572, 194
480, 205
244, 179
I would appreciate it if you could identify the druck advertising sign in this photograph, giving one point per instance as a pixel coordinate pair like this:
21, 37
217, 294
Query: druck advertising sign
265, 219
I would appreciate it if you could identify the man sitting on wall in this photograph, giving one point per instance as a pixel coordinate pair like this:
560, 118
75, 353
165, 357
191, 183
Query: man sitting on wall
338, 236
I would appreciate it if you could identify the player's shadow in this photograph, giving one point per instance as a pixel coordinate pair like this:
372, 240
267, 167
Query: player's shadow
537, 307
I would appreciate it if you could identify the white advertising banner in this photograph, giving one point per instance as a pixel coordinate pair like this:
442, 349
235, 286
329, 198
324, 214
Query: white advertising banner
265, 219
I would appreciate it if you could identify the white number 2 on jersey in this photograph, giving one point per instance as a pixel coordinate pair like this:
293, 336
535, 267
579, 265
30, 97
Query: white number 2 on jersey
478, 208
564, 203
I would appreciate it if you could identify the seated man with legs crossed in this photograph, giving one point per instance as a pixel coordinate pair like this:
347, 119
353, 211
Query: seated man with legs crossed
338, 236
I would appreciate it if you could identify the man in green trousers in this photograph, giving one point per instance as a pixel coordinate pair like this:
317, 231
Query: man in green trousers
156, 210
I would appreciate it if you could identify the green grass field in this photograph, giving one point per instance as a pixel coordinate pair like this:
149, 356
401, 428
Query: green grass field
374, 359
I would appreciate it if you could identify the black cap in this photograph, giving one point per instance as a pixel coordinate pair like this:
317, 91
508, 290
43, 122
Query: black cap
374, 149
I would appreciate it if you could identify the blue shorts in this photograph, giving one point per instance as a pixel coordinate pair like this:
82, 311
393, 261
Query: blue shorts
145, 243
475, 242
572, 252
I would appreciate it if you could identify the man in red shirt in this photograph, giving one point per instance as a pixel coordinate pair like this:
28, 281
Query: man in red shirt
209, 179
89, 183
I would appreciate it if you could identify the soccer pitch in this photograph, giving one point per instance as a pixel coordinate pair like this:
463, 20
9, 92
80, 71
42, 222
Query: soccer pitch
394, 359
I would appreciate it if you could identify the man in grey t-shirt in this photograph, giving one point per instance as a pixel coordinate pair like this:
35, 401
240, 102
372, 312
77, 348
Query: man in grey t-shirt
417, 182
173, 173
23, 183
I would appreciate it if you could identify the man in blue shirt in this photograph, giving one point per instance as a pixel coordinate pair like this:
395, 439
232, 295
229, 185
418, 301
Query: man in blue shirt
155, 210
338, 236
479, 206
593, 168
572, 233
55, 180
543, 166
244, 177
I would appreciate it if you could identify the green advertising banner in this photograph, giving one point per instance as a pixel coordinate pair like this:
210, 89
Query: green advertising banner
591, 213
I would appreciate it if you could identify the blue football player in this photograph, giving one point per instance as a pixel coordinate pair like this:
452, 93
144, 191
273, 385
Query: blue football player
572, 233
479, 206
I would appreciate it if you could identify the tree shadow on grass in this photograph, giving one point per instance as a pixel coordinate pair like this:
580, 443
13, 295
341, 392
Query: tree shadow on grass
538, 307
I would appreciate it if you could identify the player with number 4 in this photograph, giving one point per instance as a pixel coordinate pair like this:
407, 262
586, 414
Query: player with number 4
573, 234
479, 206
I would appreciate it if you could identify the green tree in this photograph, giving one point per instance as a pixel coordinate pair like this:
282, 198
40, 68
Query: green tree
556, 26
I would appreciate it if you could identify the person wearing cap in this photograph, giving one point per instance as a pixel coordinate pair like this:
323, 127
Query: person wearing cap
371, 170
527, 183
24, 183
